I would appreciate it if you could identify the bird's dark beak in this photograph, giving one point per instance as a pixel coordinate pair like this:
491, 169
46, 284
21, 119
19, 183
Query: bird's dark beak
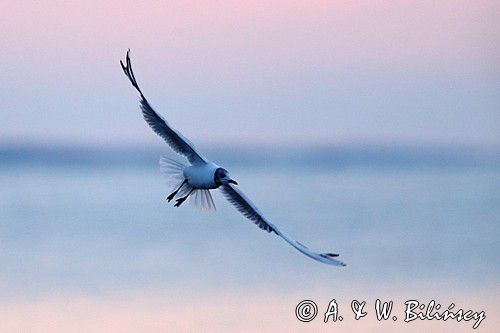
232, 181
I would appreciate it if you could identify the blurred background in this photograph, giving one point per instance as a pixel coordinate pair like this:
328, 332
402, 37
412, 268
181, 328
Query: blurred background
364, 128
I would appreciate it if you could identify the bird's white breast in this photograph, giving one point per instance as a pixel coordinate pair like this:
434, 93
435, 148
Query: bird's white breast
201, 176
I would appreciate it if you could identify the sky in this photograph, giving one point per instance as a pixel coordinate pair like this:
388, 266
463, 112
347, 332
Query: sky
90, 245
253, 72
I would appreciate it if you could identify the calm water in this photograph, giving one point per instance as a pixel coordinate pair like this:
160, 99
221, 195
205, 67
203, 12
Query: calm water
104, 229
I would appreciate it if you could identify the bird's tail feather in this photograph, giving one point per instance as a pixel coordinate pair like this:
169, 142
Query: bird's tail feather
202, 199
174, 172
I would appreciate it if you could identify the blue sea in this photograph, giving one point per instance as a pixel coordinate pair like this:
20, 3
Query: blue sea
94, 224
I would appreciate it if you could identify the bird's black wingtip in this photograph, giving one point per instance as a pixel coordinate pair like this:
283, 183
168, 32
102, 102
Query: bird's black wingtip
127, 69
127, 59
124, 68
331, 256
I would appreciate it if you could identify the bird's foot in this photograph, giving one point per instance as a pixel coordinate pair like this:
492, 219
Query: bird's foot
179, 202
171, 196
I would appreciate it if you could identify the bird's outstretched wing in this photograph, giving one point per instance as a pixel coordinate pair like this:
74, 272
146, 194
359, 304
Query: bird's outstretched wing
175, 139
247, 208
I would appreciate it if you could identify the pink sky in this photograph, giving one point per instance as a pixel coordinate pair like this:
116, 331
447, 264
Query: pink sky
266, 312
416, 71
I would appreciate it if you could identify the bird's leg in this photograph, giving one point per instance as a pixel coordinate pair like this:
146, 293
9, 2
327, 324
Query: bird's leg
179, 201
171, 196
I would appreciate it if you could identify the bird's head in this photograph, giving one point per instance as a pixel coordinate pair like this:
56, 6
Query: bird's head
221, 177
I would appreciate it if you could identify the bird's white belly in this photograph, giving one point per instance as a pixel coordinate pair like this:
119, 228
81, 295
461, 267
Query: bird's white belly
201, 176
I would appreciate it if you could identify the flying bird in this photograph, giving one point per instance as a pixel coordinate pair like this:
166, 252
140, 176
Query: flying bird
201, 175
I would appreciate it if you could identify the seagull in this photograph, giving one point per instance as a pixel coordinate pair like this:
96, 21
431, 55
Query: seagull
201, 175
